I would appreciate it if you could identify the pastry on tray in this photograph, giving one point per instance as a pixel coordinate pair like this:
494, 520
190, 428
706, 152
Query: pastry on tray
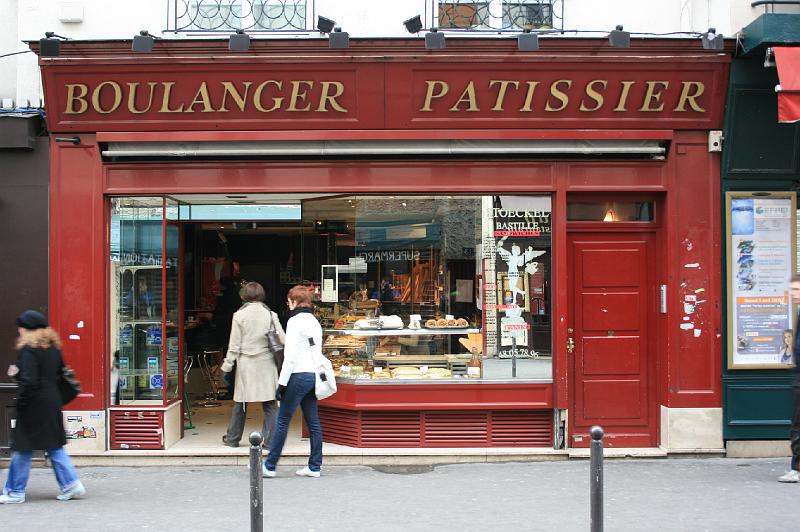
441, 322
430, 324
461, 322
452, 323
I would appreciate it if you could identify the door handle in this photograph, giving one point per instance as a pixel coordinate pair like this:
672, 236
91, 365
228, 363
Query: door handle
570, 345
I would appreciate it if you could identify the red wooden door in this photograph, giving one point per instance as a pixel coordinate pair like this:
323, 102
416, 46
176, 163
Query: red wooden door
612, 364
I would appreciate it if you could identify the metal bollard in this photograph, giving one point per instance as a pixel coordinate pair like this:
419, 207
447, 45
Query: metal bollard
596, 479
256, 484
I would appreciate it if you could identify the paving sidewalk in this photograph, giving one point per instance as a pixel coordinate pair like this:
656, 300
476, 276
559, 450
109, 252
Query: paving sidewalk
660, 495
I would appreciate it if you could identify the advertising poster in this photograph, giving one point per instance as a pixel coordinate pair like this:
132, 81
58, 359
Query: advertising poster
522, 236
760, 263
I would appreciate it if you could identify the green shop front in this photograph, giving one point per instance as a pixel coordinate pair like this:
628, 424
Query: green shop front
760, 180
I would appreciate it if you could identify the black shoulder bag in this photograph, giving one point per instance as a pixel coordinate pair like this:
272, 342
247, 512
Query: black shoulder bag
274, 342
68, 385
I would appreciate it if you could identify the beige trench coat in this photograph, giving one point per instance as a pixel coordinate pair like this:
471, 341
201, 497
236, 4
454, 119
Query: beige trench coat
256, 373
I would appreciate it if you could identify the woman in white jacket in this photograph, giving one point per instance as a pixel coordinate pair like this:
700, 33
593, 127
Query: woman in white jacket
256, 372
296, 382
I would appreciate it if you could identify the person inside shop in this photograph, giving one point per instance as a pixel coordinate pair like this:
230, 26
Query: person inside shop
793, 475
387, 292
146, 302
296, 384
39, 418
256, 374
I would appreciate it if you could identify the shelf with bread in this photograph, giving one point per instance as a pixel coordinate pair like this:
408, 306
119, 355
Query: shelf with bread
361, 333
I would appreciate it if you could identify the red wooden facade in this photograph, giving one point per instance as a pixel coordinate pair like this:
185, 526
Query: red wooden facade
667, 90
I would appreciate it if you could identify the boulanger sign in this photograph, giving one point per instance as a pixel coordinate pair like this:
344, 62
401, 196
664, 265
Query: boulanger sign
382, 95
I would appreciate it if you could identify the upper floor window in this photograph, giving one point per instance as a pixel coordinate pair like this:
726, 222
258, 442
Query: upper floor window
230, 15
496, 14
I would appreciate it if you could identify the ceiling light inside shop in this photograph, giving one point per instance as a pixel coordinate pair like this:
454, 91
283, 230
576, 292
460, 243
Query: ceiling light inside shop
610, 216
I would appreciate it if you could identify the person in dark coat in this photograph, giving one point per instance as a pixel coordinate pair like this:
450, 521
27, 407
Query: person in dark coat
39, 420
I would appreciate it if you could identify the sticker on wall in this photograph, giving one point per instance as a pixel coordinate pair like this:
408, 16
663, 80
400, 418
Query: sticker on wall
687, 326
156, 381
697, 333
83, 432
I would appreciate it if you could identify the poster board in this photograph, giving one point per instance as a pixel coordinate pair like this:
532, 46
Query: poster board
761, 237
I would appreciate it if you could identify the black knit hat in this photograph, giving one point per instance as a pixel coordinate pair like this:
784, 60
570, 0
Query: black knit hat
32, 319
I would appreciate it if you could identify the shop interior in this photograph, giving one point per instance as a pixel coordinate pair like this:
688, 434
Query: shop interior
404, 288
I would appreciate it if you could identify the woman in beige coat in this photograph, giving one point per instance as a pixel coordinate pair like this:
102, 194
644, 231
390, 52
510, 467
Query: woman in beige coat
256, 373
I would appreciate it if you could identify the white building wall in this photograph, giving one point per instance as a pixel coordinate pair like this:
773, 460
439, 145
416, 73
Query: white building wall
122, 19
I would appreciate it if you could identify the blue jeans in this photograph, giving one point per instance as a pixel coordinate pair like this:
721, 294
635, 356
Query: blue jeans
299, 392
20, 467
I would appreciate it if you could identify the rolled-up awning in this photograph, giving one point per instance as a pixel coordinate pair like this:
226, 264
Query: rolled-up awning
787, 58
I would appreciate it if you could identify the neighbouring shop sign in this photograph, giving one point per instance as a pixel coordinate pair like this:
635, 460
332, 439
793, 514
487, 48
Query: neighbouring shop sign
761, 234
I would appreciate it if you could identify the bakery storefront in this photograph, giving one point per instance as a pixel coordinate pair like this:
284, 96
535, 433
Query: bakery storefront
507, 247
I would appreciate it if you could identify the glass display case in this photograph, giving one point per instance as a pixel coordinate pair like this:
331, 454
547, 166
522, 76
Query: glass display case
145, 310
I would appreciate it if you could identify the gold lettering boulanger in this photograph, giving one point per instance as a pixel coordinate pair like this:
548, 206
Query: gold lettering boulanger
162, 97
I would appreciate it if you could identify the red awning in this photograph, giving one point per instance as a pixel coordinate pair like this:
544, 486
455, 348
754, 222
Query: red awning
788, 60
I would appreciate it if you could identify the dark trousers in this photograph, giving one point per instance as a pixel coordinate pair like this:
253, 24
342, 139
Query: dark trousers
794, 433
238, 416
299, 392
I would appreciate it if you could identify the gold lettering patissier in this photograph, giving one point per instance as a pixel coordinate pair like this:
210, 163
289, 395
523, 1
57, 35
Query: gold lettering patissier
267, 96
562, 96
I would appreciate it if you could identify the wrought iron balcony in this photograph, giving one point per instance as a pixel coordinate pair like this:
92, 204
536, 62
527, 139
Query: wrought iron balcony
226, 16
253, 16
500, 15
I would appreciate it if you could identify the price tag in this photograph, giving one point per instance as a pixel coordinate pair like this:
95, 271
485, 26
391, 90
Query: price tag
448, 317
423, 369
377, 369
473, 371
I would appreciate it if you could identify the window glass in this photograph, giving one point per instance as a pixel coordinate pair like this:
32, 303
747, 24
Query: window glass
464, 281
136, 299
611, 211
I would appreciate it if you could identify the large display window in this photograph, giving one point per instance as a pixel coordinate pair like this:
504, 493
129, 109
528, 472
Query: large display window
409, 288
418, 288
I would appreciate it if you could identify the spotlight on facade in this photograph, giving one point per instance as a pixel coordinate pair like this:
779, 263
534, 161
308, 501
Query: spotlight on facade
143, 42
50, 46
325, 25
619, 39
434, 40
339, 39
239, 42
712, 41
527, 41
413, 25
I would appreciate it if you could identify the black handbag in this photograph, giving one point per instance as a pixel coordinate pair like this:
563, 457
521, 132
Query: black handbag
68, 385
274, 342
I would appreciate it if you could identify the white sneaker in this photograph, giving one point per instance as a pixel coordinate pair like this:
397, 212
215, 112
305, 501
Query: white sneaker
75, 491
790, 476
8, 499
266, 473
306, 472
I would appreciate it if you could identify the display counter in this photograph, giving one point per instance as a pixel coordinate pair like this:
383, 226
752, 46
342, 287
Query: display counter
388, 397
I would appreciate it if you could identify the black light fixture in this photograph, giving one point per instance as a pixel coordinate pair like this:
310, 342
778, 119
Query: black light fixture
619, 39
50, 46
239, 42
325, 25
339, 39
413, 25
143, 42
527, 41
434, 40
712, 41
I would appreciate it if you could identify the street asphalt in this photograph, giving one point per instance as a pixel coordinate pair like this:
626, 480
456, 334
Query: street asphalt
674, 494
